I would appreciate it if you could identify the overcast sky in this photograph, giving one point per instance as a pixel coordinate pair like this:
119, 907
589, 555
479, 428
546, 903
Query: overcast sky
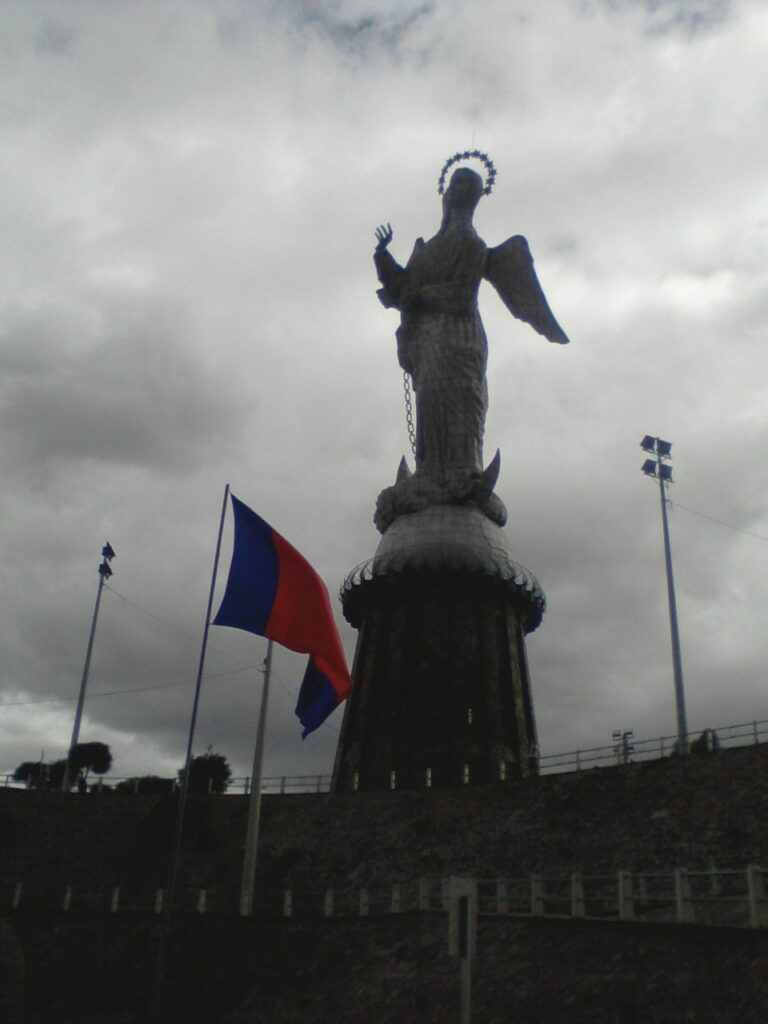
189, 196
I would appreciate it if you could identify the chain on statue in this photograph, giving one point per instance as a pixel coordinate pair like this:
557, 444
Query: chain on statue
409, 412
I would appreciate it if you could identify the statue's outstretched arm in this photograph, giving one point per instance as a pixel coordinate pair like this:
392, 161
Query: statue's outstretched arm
510, 270
388, 270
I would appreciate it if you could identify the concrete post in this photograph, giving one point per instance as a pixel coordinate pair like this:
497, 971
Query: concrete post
758, 910
626, 896
67, 899
578, 906
328, 903
683, 902
287, 903
158, 908
114, 903
17, 891
365, 903
201, 901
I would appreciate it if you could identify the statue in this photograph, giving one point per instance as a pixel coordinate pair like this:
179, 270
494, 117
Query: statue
441, 343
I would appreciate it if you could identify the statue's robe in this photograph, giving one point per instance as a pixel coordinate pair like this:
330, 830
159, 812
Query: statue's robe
441, 341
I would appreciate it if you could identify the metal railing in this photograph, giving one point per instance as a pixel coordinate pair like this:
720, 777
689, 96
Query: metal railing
734, 898
743, 734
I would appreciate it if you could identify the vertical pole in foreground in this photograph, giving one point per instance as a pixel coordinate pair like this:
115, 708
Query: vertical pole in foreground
254, 807
104, 572
173, 870
462, 936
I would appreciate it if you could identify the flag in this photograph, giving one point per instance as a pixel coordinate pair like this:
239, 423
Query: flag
273, 591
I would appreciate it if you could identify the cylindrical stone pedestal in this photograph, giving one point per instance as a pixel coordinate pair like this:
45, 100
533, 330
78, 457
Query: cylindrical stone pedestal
441, 693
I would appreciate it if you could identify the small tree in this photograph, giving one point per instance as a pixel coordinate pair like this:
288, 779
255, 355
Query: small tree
56, 774
33, 773
95, 757
208, 773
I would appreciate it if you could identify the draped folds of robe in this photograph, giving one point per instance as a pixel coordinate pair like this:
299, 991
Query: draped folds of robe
441, 343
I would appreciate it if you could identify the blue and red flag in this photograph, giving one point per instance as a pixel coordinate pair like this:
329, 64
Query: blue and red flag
273, 591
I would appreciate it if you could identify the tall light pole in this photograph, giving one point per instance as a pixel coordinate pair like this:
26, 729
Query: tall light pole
661, 471
107, 554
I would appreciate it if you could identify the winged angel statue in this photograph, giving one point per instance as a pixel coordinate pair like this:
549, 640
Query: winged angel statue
441, 343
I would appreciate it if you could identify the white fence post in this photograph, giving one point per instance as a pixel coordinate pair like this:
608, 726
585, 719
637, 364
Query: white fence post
465, 774
758, 911
537, 895
502, 771
683, 902
502, 896
159, 897
66, 902
626, 896
578, 907
365, 903
393, 779
428, 778
395, 903
114, 903
17, 891
328, 903
202, 898
287, 903
355, 781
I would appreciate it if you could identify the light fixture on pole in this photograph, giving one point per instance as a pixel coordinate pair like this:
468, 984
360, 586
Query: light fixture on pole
659, 469
107, 554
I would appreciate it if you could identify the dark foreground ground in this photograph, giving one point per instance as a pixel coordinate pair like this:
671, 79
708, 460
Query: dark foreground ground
394, 970
91, 966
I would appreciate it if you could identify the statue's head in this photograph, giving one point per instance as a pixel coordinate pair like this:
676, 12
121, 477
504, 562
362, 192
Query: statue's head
464, 191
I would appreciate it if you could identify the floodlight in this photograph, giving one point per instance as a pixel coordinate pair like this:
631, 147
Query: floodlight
660, 470
104, 569
107, 552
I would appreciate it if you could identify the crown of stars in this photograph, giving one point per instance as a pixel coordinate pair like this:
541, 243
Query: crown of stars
469, 154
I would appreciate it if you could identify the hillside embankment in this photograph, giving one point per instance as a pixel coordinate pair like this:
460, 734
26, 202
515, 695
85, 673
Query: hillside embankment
90, 965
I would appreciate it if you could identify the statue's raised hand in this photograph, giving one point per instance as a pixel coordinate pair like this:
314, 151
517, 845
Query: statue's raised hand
383, 236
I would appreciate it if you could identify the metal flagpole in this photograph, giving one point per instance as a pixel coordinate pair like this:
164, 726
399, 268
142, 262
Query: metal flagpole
104, 572
254, 808
173, 871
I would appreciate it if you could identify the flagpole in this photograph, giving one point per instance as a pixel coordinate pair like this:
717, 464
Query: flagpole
254, 808
173, 870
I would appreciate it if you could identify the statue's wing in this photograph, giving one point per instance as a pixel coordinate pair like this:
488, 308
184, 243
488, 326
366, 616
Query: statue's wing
510, 271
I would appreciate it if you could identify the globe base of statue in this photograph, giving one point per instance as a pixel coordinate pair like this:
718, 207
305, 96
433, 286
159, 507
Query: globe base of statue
417, 492
441, 689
